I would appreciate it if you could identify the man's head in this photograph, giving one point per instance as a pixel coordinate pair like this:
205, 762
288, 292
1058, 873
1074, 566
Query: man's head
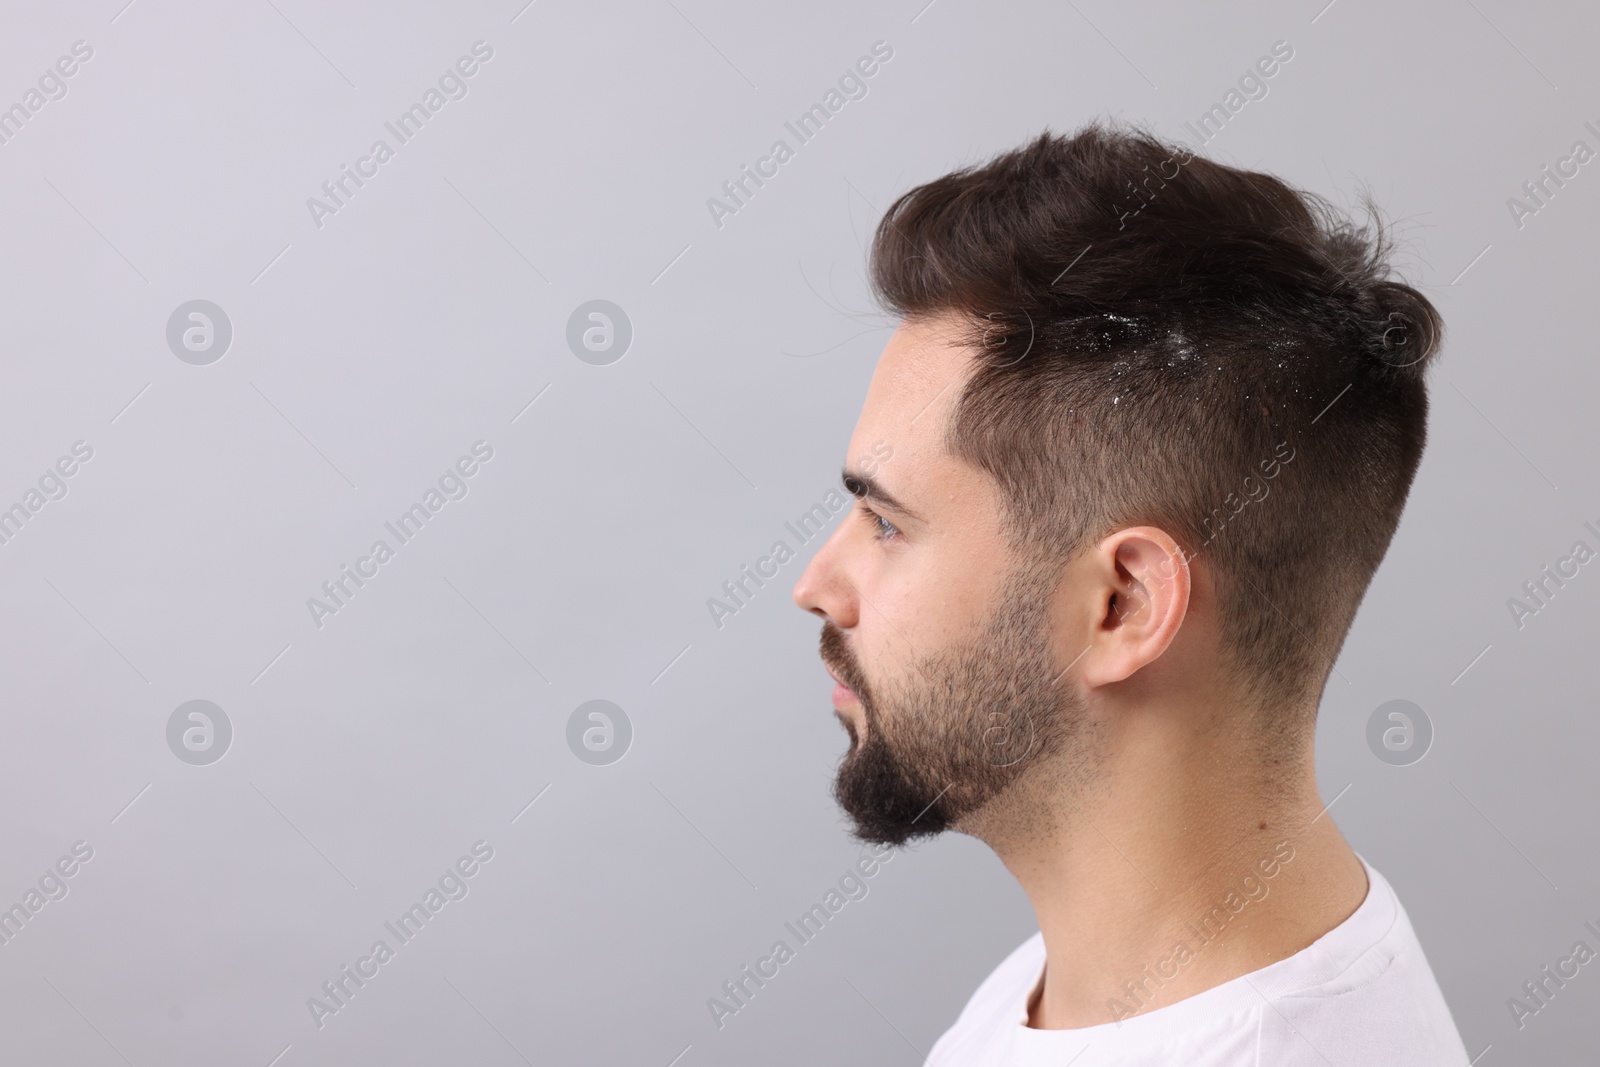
1135, 392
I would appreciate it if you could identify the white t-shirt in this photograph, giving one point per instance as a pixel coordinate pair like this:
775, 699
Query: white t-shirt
1361, 995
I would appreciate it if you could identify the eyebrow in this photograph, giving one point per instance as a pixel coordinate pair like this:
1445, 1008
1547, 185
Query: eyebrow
865, 487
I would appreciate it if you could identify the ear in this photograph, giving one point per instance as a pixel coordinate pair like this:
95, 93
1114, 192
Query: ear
1141, 583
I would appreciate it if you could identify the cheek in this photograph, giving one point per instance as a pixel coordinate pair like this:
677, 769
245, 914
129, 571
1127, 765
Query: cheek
914, 612
887, 656
926, 593
899, 617
955, 598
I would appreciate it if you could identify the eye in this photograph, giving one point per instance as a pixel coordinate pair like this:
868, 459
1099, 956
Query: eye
882, 528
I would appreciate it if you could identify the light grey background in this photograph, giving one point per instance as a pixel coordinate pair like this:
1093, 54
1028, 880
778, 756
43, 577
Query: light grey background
370, 353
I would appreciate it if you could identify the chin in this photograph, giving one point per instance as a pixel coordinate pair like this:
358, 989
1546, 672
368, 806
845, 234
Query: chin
849, 725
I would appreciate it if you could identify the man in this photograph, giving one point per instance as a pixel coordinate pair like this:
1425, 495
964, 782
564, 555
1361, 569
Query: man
1150, 425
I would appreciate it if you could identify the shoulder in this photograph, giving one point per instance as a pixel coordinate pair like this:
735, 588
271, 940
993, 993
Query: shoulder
1380, 1003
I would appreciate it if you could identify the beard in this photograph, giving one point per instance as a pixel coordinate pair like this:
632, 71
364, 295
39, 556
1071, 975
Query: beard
959, 729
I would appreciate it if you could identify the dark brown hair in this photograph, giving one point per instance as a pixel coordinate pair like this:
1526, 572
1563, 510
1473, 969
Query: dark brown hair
1155, 332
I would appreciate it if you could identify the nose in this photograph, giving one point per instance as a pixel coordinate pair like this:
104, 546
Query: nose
823, 588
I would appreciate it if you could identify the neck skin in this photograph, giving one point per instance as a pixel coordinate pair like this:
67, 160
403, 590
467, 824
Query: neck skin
1125, 862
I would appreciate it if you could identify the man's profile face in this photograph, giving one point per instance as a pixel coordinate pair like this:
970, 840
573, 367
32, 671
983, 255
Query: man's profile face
942, 643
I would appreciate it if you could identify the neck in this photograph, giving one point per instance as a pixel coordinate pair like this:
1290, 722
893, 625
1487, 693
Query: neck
1170, 845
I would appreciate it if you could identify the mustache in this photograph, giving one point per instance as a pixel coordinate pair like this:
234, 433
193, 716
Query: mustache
834, 649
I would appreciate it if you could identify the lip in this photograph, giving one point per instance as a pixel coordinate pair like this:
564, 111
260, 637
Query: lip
843, 695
